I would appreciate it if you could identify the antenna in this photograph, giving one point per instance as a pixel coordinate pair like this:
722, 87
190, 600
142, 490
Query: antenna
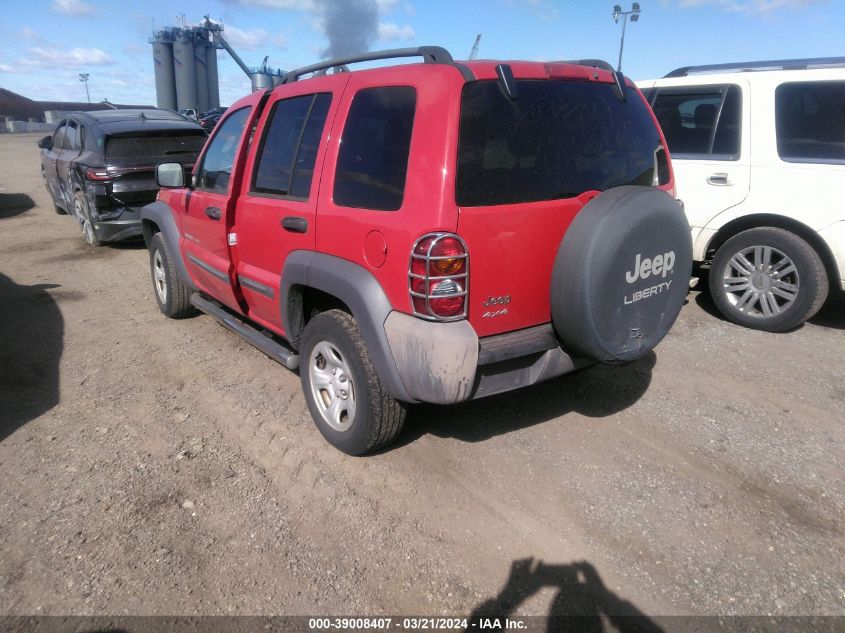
474, 52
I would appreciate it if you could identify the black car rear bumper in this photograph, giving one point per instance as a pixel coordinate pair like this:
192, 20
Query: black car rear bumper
125, 226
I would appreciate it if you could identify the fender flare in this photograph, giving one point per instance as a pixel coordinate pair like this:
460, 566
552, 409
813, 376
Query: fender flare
161, 215
359, 290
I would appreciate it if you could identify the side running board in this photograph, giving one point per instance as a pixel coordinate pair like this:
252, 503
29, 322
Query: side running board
257, 338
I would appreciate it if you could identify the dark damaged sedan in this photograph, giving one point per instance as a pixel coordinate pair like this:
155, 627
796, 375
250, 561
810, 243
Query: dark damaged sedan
99, 166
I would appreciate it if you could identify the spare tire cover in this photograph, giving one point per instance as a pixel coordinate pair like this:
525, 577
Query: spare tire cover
621, 274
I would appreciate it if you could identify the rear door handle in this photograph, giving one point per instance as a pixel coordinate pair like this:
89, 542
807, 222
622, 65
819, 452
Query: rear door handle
213, 212
720, 180
295, 224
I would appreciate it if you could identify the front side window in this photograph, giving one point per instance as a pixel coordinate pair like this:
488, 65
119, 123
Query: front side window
701, 120
289, 148
556, 139
219, 158
810, 121
373, 158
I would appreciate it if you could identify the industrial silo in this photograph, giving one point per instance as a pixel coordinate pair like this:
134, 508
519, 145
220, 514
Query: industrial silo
183, 62
165, 76
211, 68
201, 74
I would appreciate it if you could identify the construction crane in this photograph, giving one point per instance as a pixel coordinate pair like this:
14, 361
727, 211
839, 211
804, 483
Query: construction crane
474, 53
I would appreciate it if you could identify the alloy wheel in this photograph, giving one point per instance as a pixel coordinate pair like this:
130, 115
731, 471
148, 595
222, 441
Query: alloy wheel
760, 281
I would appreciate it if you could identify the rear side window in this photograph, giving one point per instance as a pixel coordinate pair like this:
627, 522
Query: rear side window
59, 136
219, 158
373, 158
153, 147
556, 140
701, 120
289, 148
810, 121
71, 136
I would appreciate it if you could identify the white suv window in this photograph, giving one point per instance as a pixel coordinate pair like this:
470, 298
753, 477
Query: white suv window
810, 126
700, 121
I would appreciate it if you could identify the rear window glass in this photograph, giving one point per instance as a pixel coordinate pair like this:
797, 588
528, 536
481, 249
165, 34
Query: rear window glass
810, 122
373, 157
557, 139
148, 149
701, 120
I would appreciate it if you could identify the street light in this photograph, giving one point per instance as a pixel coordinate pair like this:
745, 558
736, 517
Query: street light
617, 13
83, 77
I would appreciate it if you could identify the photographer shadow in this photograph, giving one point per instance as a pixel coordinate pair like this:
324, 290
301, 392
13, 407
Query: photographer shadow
583, 604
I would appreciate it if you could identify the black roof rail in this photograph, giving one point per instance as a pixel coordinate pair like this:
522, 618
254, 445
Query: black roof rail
774, 64
431, 55
594, 63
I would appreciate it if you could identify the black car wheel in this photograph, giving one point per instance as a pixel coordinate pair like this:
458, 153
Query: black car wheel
80, 209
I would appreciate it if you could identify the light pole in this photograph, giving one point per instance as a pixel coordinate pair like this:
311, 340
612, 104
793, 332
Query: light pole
617, 13
83, 77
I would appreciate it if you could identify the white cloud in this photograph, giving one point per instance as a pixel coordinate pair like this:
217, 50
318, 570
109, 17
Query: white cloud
751, 6
29, 33
50, 57
248, 40
5, 68
388, 31
73, 7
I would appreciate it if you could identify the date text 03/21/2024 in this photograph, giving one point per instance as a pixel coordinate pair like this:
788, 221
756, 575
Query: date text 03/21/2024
415, 624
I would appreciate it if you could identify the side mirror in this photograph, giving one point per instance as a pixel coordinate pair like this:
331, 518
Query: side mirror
46, 142
170, 175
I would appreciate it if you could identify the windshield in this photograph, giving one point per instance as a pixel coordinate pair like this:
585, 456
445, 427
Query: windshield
557, 139
148, 149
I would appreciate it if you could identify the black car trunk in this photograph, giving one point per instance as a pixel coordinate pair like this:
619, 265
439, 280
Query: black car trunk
131, 160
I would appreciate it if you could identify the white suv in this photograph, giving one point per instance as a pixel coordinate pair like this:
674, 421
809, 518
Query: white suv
758, 151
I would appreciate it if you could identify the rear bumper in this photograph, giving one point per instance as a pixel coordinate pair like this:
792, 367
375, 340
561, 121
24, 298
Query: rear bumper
446, 363
127, 225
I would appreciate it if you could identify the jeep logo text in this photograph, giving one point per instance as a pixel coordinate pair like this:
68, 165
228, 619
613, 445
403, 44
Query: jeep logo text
645, 268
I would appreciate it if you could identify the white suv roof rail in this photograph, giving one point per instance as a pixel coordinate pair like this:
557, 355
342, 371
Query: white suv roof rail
775, 64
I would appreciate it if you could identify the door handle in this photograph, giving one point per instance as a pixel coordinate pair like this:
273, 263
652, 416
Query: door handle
720, 180
295, 224
213, 212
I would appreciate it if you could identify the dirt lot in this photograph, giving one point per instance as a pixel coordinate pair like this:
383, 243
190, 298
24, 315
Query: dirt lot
161, 467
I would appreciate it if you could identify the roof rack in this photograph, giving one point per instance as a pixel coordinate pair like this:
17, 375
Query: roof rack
431, 55
775, 64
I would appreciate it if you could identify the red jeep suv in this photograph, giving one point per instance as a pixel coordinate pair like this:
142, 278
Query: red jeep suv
429, 232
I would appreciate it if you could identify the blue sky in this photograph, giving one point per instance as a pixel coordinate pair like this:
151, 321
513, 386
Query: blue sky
45, 44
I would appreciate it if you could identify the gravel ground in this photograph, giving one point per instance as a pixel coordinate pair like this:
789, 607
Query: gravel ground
166, 467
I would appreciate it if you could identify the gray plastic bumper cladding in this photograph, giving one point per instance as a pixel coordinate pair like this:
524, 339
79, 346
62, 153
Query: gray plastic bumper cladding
417, 360
446, 363
161, 215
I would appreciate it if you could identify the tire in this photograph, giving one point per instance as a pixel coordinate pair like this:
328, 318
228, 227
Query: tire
80, 209
621, 275
332, 348
768, 279
171, 294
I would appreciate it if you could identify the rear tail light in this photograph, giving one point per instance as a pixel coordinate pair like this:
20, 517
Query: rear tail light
438, 277
98, 175
102, 174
